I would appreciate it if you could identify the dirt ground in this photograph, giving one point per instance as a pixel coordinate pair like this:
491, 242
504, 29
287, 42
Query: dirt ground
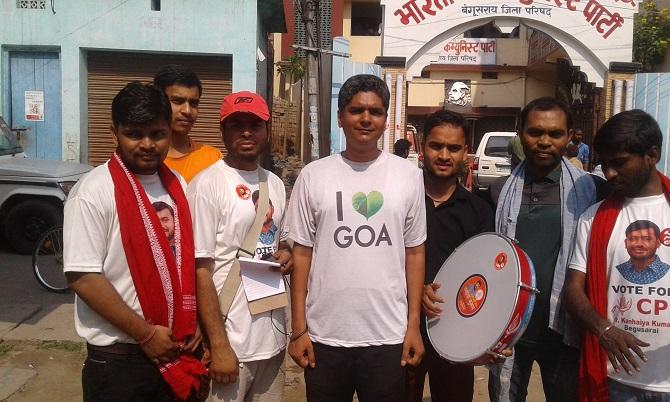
58, 373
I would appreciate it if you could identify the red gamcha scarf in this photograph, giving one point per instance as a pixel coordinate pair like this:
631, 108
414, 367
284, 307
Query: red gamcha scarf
593, 365
164, 280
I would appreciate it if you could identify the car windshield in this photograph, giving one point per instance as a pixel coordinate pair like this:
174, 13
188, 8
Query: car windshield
8, 143
497, 146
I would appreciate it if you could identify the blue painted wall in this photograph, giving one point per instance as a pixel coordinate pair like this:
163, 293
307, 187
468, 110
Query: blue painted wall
37, 71
206, 27
652, 94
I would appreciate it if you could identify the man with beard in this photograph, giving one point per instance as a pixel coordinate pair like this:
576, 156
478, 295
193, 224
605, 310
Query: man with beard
619, 294
539, 206
136, 299
453, 215
165, 215
643, 238
221, 199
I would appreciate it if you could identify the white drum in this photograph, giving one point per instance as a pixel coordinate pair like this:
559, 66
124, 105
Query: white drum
488, 287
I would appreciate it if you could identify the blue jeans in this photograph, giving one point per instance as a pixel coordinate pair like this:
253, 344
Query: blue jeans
623, 393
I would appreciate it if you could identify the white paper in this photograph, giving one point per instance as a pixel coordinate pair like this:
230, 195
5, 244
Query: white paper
34, 102
261, 278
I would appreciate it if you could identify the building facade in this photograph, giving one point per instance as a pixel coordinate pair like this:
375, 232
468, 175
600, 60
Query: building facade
63, 61
488, 59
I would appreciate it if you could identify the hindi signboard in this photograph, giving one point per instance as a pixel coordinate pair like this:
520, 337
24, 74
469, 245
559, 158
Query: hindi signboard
468, 51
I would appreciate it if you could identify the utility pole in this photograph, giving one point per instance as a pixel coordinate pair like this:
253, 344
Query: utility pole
310, 13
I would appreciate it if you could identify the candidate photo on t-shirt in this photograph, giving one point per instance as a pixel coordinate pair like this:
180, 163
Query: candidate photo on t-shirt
643, 238
165, 215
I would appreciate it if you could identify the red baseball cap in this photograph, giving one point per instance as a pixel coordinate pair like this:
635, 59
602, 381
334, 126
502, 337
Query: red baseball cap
245, 102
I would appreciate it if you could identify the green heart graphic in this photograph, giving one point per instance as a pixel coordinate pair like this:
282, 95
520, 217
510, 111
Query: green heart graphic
367, 205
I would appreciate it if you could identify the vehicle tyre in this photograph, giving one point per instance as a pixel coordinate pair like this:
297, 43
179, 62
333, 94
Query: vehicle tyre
29, 220
48, 261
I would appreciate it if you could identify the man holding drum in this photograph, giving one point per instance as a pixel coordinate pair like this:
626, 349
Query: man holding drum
453, 215
618, 283
539, 206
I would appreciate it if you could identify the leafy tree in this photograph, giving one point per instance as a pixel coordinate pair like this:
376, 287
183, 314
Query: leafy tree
651, 35
293, 68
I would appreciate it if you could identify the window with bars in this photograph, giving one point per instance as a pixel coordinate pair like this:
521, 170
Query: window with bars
31, 4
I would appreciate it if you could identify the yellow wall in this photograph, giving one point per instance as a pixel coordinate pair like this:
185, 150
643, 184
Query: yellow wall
362, 48
537, 87
425, 92
512, 52
506, 91
276, 37
346, 16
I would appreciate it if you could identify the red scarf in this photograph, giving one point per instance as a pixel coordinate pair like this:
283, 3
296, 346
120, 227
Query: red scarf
593, 365
164, 280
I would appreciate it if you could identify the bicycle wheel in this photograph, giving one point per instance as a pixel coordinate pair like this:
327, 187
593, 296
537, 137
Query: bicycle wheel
48, 261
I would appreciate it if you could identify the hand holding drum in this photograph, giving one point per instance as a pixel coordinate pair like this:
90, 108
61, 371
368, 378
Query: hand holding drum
481, 300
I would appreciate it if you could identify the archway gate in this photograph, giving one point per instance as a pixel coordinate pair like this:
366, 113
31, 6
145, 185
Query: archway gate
592, 32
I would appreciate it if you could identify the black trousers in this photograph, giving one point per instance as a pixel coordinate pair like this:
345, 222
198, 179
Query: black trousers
449, 382
373, 372
123, 378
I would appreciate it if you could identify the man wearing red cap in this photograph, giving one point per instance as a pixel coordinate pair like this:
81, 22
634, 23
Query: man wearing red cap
221, 198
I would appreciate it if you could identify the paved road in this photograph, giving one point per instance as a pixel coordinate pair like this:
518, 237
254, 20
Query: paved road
19, 286
28, 311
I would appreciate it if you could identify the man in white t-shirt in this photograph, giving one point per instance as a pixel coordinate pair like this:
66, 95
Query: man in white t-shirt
358, 223
618, 285
222, 199
136, 289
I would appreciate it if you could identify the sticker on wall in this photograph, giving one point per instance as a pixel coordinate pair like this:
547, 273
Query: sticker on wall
34, 105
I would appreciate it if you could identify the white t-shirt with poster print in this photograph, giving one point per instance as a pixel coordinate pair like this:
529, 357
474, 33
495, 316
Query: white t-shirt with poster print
223, 209
638, 292
92, 243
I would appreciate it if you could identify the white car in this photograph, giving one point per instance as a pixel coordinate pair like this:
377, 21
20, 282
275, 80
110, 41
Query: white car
32, 192
492, 159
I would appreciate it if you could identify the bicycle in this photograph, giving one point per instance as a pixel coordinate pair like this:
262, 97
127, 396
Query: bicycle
48, 261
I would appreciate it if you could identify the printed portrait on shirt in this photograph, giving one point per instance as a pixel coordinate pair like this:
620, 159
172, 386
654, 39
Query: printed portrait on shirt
269, 229
165, 215
643, 238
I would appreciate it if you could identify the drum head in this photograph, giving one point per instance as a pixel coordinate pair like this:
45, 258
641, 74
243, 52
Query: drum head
479, 285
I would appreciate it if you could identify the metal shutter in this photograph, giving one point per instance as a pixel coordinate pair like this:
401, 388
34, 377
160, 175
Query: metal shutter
108, 72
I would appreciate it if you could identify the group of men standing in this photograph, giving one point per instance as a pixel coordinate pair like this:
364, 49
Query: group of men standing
369, 232
147, 303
